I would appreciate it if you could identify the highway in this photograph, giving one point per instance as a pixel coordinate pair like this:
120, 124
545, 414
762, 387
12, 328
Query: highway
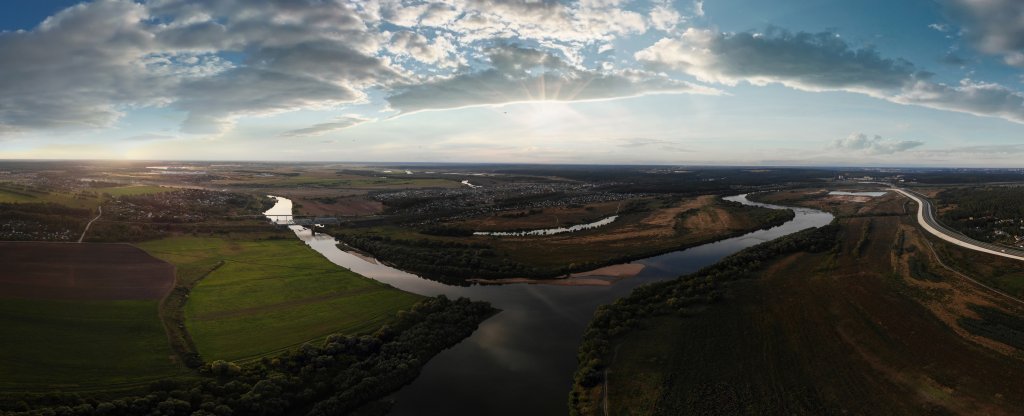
926, 217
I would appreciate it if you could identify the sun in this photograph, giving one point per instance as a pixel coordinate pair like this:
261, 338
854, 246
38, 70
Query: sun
543, 115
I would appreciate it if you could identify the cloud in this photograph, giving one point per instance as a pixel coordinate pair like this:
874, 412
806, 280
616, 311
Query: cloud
951, 58
78, 69
664, 17
987, 150
808, 61
340, 123
822, 62
876, 145
439, 51
87, 65
521, 74
146, 137
978, 98
221, 60
640, 142
993, 26
212, 103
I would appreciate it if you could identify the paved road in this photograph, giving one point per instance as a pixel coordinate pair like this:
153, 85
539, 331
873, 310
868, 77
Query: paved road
90, 223
926, 216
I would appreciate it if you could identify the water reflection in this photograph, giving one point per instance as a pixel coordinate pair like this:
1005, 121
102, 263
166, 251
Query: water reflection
521, 360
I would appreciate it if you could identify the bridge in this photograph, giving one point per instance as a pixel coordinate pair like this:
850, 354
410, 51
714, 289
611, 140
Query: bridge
303, 220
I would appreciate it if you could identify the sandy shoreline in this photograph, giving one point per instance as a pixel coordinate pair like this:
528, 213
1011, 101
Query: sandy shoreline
604, 276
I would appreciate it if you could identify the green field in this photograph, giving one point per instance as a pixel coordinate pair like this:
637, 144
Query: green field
19, 197
9, 194
272, 294
133, 190
16, 197
79, 344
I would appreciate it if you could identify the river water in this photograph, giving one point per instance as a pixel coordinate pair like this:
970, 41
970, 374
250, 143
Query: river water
521, 361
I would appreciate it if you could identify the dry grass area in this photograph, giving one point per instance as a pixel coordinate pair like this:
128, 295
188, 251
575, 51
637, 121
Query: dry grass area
543, 218
859, 330
643, 233
841, 205
343, 206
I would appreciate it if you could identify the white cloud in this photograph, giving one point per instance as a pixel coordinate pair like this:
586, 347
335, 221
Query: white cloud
521, 74
438, 52
978, 98
874, 145
664, 17
698, 8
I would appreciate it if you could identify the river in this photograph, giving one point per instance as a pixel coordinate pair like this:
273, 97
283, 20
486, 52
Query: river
521, 361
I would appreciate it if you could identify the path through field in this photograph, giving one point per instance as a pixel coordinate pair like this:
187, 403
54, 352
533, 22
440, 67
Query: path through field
98, 215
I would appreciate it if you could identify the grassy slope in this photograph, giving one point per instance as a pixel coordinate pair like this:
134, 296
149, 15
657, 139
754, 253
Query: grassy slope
271, 295
81, 344
822, 334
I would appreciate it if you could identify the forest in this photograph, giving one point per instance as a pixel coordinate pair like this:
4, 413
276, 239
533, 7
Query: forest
992, 214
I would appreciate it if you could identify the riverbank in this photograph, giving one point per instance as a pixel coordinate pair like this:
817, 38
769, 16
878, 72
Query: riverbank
603, 276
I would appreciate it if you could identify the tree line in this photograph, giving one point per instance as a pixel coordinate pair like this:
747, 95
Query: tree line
980, 212
677, 297
335, 377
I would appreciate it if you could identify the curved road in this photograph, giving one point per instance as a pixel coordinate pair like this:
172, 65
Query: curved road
926, 216
100, 208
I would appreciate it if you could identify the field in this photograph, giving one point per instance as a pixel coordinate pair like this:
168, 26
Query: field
644, 228
328, 179
819, 333
132, 190
662, 228
60, 344
89, 320
84, 272
543, 218
85, 198
70, 200
256, 298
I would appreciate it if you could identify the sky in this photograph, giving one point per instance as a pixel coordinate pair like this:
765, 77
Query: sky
686, 82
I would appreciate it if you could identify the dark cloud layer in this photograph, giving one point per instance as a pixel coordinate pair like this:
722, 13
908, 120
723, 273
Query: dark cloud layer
808, 60
823, 62
994, 26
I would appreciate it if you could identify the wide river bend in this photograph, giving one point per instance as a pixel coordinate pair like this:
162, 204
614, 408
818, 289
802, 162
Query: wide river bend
521, 361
